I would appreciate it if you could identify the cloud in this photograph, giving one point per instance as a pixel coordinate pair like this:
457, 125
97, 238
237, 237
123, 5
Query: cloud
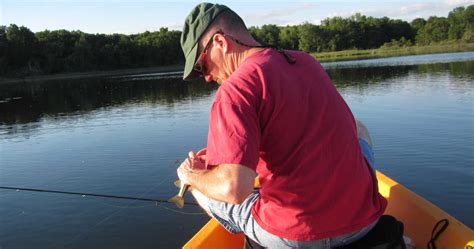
413, 9
347, 13
409, 12
175, 25
457, 3
427, 9
282, 16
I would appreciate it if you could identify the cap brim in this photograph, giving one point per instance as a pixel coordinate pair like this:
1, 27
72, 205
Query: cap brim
189, 73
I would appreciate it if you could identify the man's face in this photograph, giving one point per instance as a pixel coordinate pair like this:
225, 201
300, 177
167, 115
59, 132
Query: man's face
212, 61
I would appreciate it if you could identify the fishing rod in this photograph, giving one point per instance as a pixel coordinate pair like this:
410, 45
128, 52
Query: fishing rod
91, 194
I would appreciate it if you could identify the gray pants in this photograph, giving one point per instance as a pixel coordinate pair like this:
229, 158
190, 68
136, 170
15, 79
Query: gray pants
238, 218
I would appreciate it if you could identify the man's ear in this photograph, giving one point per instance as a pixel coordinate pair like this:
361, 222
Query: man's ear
222, 41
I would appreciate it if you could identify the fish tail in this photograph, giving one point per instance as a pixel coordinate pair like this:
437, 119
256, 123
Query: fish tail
178, 200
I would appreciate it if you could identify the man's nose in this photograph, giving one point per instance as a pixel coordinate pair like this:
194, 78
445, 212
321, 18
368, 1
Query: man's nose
208, 77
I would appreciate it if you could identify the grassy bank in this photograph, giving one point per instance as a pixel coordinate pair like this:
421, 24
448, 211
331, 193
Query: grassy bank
93, 74
394, 51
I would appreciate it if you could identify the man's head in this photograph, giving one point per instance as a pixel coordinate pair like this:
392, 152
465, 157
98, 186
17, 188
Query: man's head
206, 25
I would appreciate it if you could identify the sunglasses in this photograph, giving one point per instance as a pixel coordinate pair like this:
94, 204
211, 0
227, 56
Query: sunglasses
200, 65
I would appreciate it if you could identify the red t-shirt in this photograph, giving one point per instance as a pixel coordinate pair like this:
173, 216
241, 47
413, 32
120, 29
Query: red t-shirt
289, 123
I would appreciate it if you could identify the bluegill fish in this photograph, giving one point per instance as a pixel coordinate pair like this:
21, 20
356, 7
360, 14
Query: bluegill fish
179, 198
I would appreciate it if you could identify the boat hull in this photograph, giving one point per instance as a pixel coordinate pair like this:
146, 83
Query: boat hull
418, 215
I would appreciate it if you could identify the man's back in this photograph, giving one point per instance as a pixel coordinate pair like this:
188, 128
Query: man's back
301, 138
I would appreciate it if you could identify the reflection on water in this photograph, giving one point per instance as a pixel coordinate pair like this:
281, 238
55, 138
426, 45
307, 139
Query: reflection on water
125, 136
402, 60
26, 104
109, 136
374, 75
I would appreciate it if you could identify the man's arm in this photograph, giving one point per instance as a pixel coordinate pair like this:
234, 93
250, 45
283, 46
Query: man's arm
230, 183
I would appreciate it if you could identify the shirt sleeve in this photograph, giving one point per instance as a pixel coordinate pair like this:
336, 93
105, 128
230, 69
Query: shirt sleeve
234, 133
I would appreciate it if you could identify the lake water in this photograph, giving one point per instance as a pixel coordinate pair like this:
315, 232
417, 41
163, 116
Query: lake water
126, 136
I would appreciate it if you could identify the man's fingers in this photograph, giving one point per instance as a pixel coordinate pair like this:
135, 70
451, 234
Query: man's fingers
191, 155
193, 162
186, 163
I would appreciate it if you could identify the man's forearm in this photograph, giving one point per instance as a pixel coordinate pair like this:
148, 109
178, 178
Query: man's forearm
224, 183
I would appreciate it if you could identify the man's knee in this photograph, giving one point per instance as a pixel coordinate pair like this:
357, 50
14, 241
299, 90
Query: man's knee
201, 200
363, 132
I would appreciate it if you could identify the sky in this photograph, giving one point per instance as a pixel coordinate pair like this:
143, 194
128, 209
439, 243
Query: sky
131, 17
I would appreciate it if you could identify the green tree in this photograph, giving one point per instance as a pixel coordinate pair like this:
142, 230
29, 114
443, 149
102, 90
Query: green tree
55, 47
267, 34
289, 37
21, 43
417, 24
341, 32
3, 49
457, 23
468, 35
312, 38
435, 30
81, 57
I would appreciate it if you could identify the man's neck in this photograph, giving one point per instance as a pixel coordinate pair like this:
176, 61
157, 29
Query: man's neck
242, 54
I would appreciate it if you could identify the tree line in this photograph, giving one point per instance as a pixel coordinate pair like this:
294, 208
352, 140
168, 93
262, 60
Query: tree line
49, 52
23, 52
362, 32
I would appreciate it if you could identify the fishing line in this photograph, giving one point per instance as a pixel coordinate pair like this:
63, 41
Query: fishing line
156, 204
90, 194
134, 199
33, 214
180, 212
174, 210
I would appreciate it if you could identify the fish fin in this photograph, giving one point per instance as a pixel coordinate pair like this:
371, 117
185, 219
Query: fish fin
177, 183
178, 200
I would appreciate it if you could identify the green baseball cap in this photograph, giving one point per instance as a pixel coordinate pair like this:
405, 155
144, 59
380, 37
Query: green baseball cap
195, 25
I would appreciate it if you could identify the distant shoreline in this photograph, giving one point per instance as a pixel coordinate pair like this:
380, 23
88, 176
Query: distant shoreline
92, 74
391, 52
322, 57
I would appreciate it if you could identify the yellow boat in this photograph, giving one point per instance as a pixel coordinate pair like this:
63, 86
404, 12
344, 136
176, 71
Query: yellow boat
418, 215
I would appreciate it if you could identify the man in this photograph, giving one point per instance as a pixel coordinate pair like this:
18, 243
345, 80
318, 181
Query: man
277, 115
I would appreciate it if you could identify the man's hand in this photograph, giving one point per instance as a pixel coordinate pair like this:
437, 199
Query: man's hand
230, 183
194, 164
